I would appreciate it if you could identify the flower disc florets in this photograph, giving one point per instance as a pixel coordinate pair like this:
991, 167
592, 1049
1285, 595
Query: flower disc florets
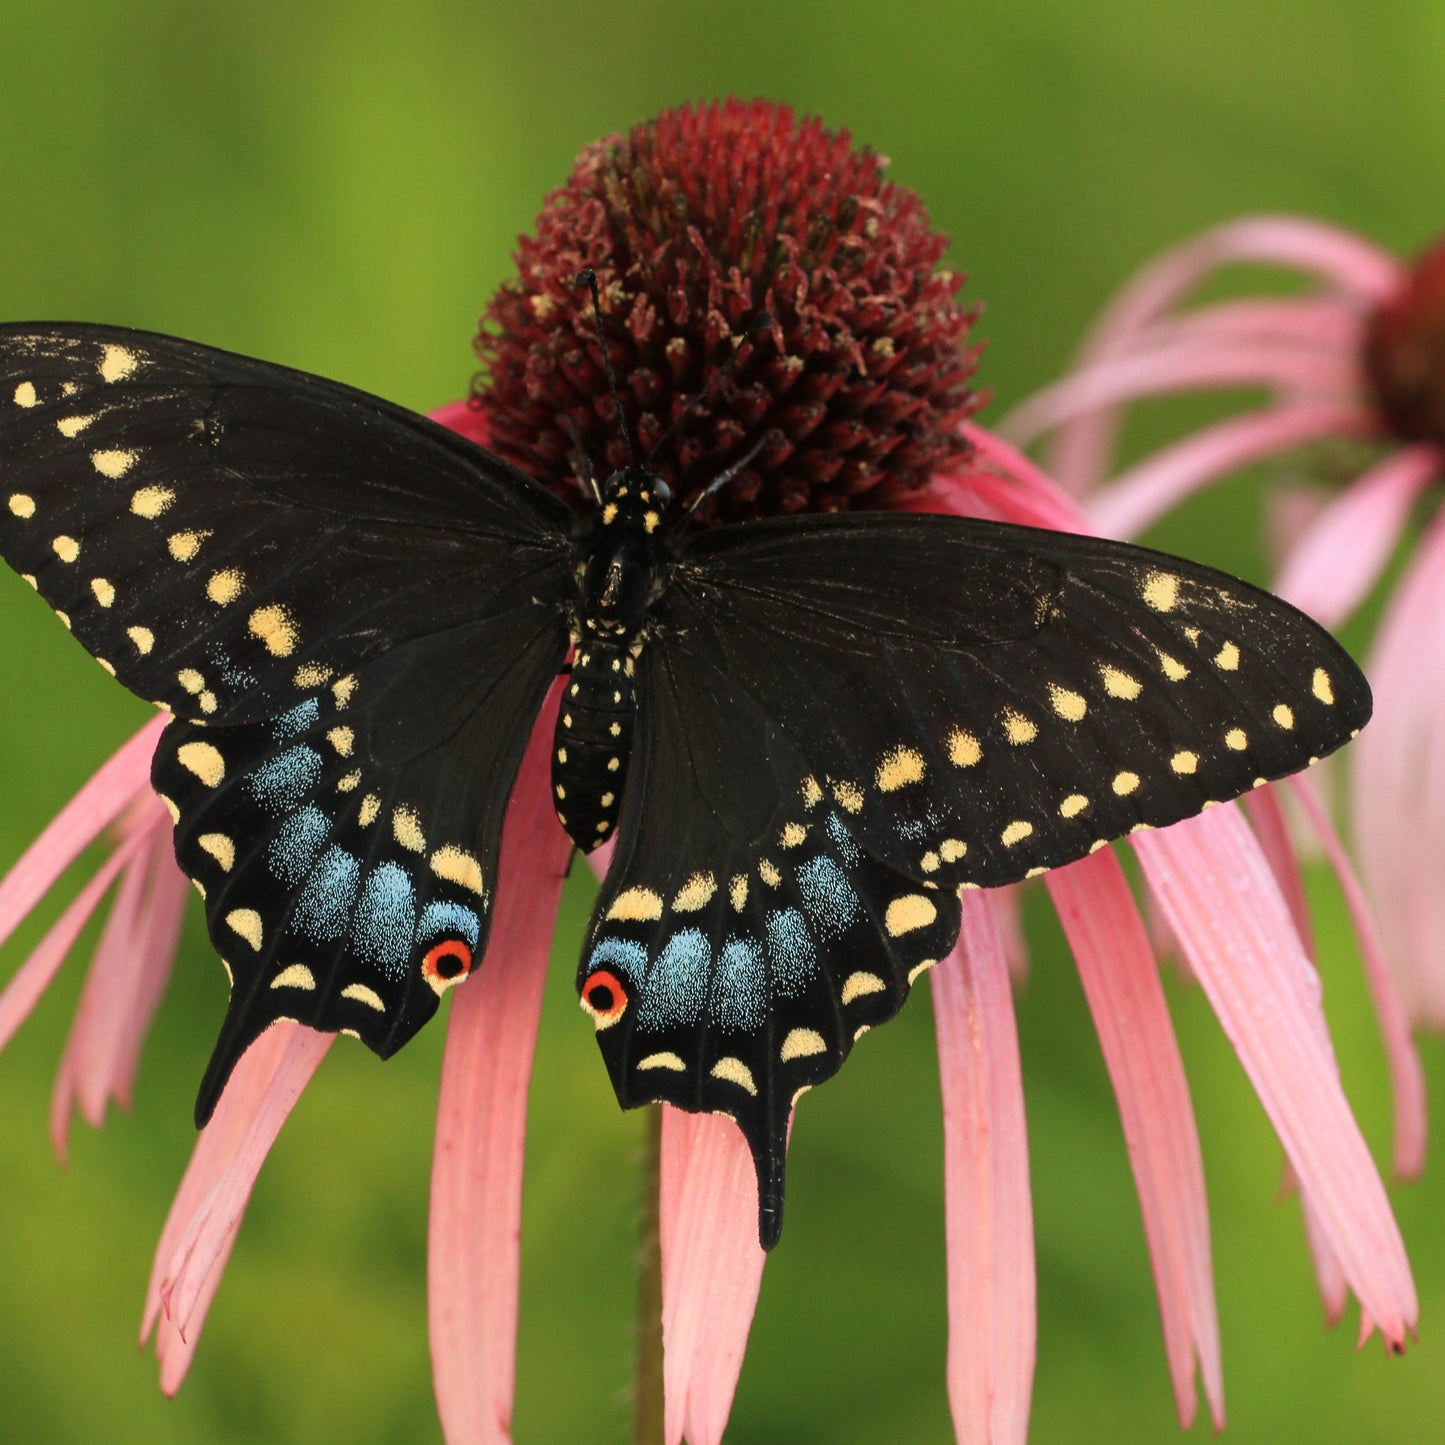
697, 223
1405, 352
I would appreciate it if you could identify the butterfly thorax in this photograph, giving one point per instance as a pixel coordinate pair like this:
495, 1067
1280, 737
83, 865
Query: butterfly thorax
620, 563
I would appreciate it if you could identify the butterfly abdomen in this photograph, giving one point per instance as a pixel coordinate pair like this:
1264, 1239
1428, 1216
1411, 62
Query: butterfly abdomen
593, 740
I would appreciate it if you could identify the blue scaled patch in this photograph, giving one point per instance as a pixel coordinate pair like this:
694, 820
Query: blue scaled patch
739, 998
297, 845
676, 987
281, 783
324, 905
622, 954
842, 839
828, 896
448, 920
384, 923
792, 961
300, 719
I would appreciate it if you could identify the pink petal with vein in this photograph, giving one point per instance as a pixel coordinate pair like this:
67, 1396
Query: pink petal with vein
712, 1270
1139, 496
1407, 1078
474, 1234
1250, 964
102, 800
1121, 982
1398, 780
201, 1227
1271, 828
992, 1320
1336, 562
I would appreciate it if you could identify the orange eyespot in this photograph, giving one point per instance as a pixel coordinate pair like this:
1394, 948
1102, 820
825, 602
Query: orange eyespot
446, 963
604, 997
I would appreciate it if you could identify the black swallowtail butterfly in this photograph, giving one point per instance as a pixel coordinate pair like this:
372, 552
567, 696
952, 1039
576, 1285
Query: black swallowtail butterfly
808, 732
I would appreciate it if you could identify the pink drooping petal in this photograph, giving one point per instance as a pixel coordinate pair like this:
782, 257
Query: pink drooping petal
1121, 982
1336, 562
1009, 485
992, 1318
1141, 495
474, 1233
1398, 781
465, 418
712, 1270
1165, 369
201, 1227
1363, 273
1249, 962
1317, 323
1271, 827
112, 789
35, 974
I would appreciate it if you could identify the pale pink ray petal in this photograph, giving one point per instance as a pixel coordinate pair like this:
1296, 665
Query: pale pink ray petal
207, 1236
1160, 370
34, 975
1249, 962
465, 418
1271, 827
1363, 272
1398, 780
1121, 982
1141, 495
237, 1114
1329, 1272
108, 793
1027, 494
712, 1270
992, 1319
474, 1233
1319, 323
1338, 559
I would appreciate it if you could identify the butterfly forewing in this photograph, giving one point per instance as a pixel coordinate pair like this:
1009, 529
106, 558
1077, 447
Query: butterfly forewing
225, 534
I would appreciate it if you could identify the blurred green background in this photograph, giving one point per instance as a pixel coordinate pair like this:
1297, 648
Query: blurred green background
338, 187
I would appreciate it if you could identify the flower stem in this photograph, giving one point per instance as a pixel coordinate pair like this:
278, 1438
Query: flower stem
648, 1426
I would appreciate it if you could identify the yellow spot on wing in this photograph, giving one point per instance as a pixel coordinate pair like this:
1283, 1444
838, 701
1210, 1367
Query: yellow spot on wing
370, 807
115, 463
246, 922
342, 739
768, 873
734, 1071
170, 807
360, 993
1160, 591
802, 1044
66, 548
21, 504
1016, 832
204, 760
72, 426
665, 1060
910, 912
639, 904
1184, 762
456, 865
1018, 727
1235, 740
343, 689
792, 835
1227, 657
738, 891
143, 638
224, 587
1174, 670
220, 847
406, 829
311, 674
696, 893
963, 749
296, 975
1322, 687
860, 984
103, 591
183, 546
1073, 805
849, 796
191, 680
117, 363
1125, 783
1284, 715
898, 769
273, 626
149, 502
1120, 684
952, 849
1068, 704
25, 394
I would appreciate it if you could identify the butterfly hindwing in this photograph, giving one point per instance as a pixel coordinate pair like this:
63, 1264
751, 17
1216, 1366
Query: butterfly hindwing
225, 534
348, 880
846, 719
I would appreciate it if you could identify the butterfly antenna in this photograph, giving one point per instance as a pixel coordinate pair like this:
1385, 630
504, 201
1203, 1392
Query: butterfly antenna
588, 277
761, 322
580, 447
720, 481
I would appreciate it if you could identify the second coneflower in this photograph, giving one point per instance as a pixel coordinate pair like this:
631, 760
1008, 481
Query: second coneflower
696, 222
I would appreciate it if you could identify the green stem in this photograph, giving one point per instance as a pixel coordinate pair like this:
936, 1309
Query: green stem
648, 1425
